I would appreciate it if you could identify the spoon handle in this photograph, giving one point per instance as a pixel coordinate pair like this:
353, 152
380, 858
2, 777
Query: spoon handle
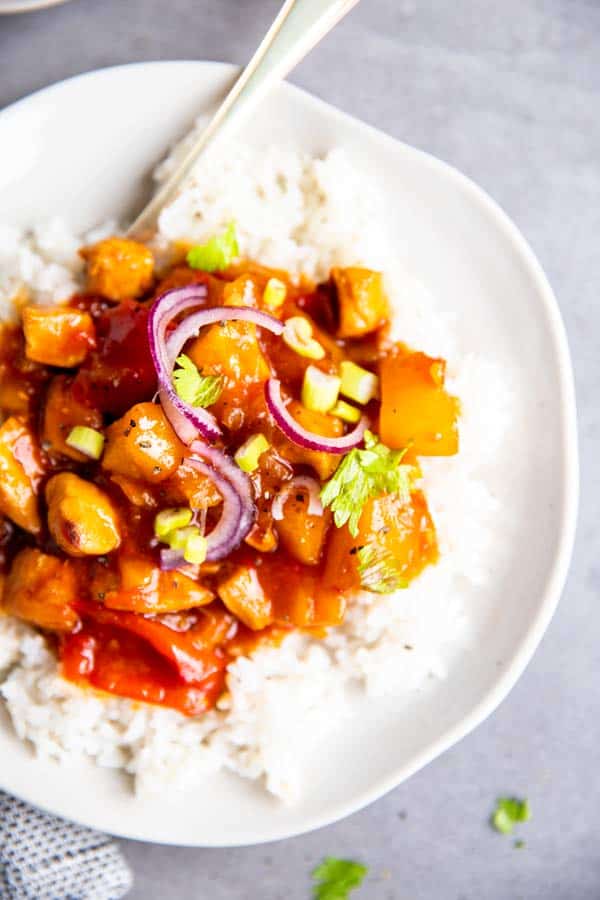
299, 26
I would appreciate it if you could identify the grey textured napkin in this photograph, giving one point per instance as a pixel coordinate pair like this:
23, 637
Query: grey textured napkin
44, 858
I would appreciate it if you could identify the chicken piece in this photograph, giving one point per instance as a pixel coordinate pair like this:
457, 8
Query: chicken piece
416, 410
232, 351
363, 305
15, 395
57, 335
244, 596
136, 492
81, 518
274, 589
303, 535
42, 589
400, 538
243, 291
62, 412
142, 445
118, 268
143, 588
21, 379
191, 488
323, 463
21, 469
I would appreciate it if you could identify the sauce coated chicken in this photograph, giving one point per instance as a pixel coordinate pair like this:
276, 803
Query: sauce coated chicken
110, 511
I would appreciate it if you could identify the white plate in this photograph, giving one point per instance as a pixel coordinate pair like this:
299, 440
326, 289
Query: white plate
18, 6
79, 149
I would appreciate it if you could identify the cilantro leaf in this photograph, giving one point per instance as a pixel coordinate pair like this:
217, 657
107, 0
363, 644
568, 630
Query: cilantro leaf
378, 571
336, 878
217, 253
509, 811
193, 387
363, 474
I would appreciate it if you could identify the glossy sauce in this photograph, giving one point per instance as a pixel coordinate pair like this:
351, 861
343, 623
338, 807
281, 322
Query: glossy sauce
127, 640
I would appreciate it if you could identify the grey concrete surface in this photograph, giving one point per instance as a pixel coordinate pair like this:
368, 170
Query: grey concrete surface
508, 92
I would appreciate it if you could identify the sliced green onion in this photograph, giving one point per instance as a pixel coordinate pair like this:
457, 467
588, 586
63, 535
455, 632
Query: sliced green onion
248, 455
274, 295
217, 254
297, 334
319, 390
178, 539
345, 411
169, 520
195, 549
358, 383
87, 441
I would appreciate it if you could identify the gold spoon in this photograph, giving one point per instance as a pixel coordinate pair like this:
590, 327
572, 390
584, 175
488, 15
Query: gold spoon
298, 27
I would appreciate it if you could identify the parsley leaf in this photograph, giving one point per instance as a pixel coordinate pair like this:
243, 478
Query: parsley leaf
217, 253
336, 878
363, 474
193, 387
378, 571
509, 811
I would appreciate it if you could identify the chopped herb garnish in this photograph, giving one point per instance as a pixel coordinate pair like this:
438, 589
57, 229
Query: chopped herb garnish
193, 387
217, 254
509, 811
363, 474
378, 571
336, 878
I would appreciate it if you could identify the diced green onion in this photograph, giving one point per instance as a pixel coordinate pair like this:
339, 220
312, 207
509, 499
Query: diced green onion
217, 254
195, 548
87, 441
297, 334
357, 383
319, 390
345, 411
274, 295
178, 539
248, 455
169, 520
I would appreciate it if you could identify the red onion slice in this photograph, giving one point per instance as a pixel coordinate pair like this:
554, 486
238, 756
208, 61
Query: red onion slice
301, 436
239, 511
171, 559
190, 421
191, 325
305, 482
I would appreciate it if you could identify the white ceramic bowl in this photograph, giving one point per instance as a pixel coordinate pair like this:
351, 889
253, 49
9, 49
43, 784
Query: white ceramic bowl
19, 6
82, 149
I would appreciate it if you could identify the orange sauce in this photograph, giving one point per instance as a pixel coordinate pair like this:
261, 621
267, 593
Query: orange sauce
136, 634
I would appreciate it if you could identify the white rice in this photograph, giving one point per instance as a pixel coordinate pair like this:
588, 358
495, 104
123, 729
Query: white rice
304, 215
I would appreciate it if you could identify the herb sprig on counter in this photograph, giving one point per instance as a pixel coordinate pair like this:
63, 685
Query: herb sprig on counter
509, 811
337, 878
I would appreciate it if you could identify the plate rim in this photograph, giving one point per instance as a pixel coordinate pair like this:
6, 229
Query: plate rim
25, 6
555, 576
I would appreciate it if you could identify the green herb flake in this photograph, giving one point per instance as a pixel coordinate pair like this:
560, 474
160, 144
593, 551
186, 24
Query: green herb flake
379, 571
337, 878
194, 388
509, 811
363, 474
217, 254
